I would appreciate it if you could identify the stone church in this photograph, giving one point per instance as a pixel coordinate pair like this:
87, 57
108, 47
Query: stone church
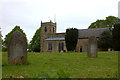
50, 41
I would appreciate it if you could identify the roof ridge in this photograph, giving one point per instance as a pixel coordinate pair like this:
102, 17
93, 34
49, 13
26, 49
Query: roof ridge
94, 28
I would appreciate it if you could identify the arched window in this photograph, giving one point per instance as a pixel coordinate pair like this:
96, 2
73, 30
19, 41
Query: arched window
49, 46
45, 29
61, 46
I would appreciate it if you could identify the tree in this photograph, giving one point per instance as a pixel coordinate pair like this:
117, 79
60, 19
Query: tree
35, 42
116, 37
71, 38
0, 36
105, 40
110, 21
1, 41
98, 24
5, 42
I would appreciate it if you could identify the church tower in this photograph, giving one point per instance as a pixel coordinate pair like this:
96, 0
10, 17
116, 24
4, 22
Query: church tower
47, 28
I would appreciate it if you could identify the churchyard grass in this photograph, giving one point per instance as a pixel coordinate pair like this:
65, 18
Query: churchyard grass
77, 64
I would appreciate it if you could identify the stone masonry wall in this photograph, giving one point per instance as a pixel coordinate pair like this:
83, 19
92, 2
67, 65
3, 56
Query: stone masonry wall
55, 45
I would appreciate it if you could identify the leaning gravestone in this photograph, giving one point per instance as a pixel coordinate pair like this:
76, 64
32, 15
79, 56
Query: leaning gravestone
92, 47
17, 48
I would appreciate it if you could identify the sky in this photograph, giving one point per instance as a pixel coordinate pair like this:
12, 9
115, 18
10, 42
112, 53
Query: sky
28, 14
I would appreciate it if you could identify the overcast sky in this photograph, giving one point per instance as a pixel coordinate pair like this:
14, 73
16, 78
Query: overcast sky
28, 14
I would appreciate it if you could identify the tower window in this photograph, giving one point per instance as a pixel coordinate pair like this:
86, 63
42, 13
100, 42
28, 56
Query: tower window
45, 29
49, 46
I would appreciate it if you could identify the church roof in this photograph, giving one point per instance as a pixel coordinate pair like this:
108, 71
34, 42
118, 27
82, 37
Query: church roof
83, 34
55, 38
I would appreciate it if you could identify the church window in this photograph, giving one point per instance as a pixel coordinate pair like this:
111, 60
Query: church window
53, 29
49, 46
45, 29
61, 47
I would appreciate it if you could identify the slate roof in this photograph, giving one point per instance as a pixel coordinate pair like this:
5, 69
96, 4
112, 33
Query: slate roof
83, 33
55, 38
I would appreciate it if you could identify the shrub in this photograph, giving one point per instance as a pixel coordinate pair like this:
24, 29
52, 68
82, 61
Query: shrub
71, 38
105, 40
59, 74
116, 37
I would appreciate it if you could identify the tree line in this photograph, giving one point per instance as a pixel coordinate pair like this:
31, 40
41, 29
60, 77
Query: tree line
107, 39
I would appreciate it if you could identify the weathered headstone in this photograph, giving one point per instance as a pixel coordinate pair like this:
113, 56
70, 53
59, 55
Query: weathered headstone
17, 48
92, 47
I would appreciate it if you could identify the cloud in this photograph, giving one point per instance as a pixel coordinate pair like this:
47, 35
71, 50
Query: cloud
69, 13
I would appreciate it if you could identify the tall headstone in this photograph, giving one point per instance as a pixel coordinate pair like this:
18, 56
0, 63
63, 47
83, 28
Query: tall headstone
92, 47
119, 9
17, 48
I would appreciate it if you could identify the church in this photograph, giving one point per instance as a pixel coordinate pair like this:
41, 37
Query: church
50, 41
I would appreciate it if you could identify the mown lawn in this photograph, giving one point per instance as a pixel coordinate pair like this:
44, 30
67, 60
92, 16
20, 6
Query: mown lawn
77, 64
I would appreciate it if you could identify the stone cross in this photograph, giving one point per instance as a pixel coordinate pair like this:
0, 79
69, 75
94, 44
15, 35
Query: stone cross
92, 47
17, 48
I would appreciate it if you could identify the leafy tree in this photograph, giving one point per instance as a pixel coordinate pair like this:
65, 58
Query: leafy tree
35, 42
71, 38
98, 24
110, 21
116, 37
105, 40
1, 41
5, 43
0, 37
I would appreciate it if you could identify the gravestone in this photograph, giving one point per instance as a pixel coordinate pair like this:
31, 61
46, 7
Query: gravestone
92, 47
17, 48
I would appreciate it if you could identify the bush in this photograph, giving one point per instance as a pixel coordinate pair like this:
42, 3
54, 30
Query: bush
71, 38
116, 37
58, 74
105, 40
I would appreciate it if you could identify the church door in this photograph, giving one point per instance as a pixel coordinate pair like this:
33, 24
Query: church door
81, 49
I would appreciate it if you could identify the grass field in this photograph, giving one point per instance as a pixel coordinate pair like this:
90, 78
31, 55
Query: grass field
77, 64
